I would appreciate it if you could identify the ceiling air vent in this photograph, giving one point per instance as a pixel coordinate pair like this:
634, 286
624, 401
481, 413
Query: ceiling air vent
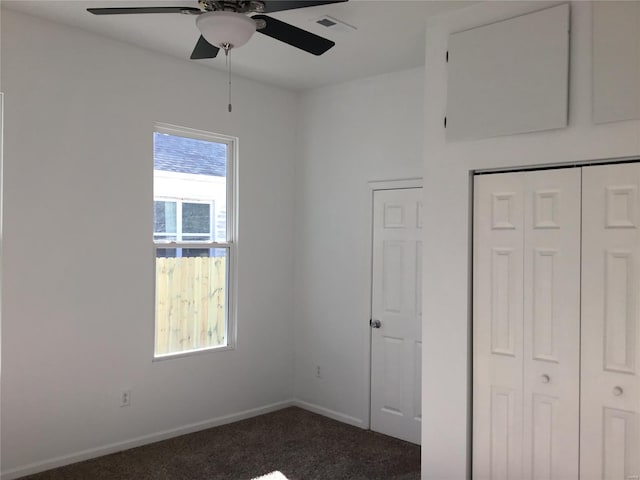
334, 24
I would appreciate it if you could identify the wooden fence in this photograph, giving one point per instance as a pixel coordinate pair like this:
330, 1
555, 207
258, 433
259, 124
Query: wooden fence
190, 303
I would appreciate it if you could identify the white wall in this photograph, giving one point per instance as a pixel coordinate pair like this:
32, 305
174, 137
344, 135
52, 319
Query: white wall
351, 134
447, 267
77, 304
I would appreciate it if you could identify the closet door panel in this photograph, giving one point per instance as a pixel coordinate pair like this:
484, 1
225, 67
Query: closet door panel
552, 324
610, 409
497, 326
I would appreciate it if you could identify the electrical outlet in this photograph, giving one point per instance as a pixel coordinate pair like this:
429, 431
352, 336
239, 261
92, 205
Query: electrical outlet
125, 398
318, 372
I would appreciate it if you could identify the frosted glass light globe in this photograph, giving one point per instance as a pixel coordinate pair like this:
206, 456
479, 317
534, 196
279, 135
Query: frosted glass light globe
222, 28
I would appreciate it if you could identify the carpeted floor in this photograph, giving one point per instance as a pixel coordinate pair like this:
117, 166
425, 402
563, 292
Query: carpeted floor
299, 444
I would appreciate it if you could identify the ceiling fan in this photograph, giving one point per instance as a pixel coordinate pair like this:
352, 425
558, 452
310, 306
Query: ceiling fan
231, 23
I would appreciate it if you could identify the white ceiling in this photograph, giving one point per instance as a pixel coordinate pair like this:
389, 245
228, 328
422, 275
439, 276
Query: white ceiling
389, 37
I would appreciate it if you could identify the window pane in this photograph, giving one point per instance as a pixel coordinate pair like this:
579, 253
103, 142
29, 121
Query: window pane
164, 218
196, 218
195, 169
191, 299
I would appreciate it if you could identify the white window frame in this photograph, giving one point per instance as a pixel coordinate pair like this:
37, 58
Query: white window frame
231, 244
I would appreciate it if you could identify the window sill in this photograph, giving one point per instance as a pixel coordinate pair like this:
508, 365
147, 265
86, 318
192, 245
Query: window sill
190, 353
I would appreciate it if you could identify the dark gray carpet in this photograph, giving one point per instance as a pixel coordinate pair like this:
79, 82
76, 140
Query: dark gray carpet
300, 444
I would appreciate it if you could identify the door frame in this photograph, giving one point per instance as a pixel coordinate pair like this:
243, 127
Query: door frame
376, 185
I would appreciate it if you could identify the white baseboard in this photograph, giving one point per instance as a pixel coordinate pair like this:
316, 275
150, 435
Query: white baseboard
143, 440
341, 417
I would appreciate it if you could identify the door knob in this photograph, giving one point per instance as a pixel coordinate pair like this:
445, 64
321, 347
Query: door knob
375, 323
545, 378
617, 391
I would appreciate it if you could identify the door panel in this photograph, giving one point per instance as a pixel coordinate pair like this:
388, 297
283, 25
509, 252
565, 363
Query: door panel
551, 324
610, 410
497, 326
396, 346
526, 325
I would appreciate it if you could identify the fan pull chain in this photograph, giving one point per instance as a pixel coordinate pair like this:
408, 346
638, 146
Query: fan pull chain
227, 50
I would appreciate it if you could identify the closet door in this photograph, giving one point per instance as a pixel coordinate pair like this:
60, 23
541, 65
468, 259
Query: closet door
552, 325
497, 326
610, 410
526, 325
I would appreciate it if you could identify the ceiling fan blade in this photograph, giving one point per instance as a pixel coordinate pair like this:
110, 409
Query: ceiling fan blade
279, 5
127, 10
204, 50
294, 36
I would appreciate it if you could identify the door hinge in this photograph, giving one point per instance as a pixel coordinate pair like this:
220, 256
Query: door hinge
445, 122
447, 56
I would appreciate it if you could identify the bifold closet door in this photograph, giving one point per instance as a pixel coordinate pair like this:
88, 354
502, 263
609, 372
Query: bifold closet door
610, 409
526, 325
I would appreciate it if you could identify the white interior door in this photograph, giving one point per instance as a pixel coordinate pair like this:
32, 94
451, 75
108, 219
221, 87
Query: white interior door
610, 410
526, 325
396, 342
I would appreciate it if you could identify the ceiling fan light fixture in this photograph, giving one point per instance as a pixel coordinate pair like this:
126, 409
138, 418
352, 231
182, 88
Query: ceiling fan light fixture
226, 28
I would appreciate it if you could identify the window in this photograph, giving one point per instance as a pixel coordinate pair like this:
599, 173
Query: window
193, 238
175, 219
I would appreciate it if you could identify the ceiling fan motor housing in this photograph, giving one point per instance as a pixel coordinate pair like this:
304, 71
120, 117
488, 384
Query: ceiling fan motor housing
240, 6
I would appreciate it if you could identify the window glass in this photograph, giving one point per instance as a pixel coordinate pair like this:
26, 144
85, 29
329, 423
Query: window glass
196, 218
164, 218
191, 286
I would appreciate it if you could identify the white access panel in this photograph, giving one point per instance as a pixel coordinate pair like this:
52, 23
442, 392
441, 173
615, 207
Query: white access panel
526, 325
616, 61
610, 406
509, 77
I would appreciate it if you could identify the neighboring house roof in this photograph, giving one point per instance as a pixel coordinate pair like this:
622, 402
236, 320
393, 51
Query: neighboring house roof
188, 155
